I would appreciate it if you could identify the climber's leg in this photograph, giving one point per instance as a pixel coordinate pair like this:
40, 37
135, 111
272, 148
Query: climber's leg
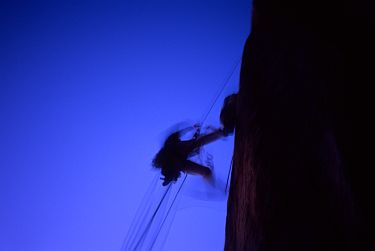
191, 167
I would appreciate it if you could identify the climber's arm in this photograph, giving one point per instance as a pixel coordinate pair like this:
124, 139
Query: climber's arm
208, 138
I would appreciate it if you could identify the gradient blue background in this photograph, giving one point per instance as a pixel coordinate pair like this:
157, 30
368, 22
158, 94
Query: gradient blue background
87, 91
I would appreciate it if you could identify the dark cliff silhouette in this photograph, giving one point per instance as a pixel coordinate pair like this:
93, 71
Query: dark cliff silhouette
297, 183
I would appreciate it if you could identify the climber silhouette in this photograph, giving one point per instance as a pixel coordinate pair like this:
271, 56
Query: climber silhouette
172, 159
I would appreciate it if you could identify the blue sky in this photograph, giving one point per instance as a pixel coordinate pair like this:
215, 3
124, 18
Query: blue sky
88, 90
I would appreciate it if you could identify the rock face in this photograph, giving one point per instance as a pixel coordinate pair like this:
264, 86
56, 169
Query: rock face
294, 183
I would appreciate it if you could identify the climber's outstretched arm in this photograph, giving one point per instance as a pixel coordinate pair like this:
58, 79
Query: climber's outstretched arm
208, 138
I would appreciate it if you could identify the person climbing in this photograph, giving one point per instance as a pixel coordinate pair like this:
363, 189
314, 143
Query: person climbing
173, 158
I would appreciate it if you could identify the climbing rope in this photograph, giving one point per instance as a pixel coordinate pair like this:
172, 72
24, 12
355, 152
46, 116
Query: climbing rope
223, 86
169, 209
152, 219
228, 176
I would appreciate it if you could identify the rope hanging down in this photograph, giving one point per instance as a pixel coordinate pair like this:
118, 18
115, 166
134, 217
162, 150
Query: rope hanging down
169, 209
145, 216
152, 219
